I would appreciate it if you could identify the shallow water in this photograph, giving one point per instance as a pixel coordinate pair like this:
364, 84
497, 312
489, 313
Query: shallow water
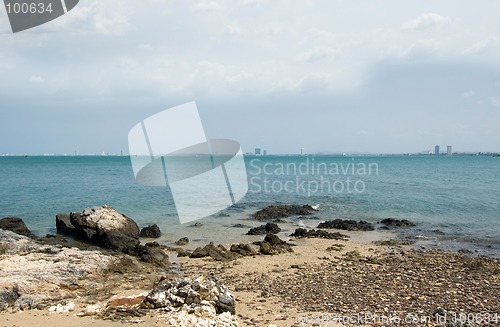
455, 201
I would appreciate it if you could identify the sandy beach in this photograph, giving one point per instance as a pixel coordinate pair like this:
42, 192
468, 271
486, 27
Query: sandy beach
321, 283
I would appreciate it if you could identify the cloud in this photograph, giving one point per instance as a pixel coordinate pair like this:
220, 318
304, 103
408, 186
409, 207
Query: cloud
36, 79
145, 46
495, 101
235, 30
489, 44
469, 94
426, 21
317, 54
252, 2
314, 81
422, 48
207, 6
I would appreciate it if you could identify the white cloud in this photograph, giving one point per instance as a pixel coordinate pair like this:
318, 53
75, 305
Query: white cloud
235, 30
317, 54
314, 81
145, 46
426, 21
469, 93
495, 101
207, 6
422, 48
252, 2
486, 45
36, 79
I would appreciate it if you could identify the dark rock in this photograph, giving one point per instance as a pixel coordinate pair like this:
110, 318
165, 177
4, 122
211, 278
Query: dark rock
396, 223
240, 226
350, 225
197, 224
282, 211
64, 226
16, 225
304, 233
154, 255
152, 231
106, 227
243, 249
269, 228
182, 241
272, 244
218, 253
8, 297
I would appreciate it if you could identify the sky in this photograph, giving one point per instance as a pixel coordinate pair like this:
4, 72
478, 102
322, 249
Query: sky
328, 76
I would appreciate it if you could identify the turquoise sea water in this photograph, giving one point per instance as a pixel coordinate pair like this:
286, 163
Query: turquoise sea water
455, 201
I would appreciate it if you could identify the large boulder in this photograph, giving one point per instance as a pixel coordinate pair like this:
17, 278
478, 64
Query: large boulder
16, 225
106, 227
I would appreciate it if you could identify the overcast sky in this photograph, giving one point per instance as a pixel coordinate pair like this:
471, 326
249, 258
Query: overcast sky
329, 76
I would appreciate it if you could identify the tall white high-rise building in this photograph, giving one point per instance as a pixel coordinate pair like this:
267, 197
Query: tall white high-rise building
448, 150
436, 150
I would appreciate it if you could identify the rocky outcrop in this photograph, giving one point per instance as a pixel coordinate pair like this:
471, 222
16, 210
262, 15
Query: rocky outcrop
269, 228
16, 225
106, 227
312, 233
243, 249
152, 231
272, 244
277, 212
396, 223
35, 275
350, 225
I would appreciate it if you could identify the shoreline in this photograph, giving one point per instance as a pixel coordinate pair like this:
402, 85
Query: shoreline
350, 278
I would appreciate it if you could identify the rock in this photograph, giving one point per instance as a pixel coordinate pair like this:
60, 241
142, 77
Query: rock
269, 228
240, 226
16, 225
218, 253
396, 223
91, 310
106, 227
282, 211
62, 308
8, 296
304, 233
35, 275
204, 290
63, 225
152, 231
154, 255
272, 244
243, 249
182, 241
350, 225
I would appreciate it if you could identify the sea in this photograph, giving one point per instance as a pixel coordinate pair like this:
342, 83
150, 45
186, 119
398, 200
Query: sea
453, 200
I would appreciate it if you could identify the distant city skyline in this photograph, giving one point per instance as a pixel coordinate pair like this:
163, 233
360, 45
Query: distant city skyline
325, 76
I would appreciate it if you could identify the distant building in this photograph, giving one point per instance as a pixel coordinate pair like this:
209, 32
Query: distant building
265, 152
448, 150
301, 151
436, 150
257, 151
